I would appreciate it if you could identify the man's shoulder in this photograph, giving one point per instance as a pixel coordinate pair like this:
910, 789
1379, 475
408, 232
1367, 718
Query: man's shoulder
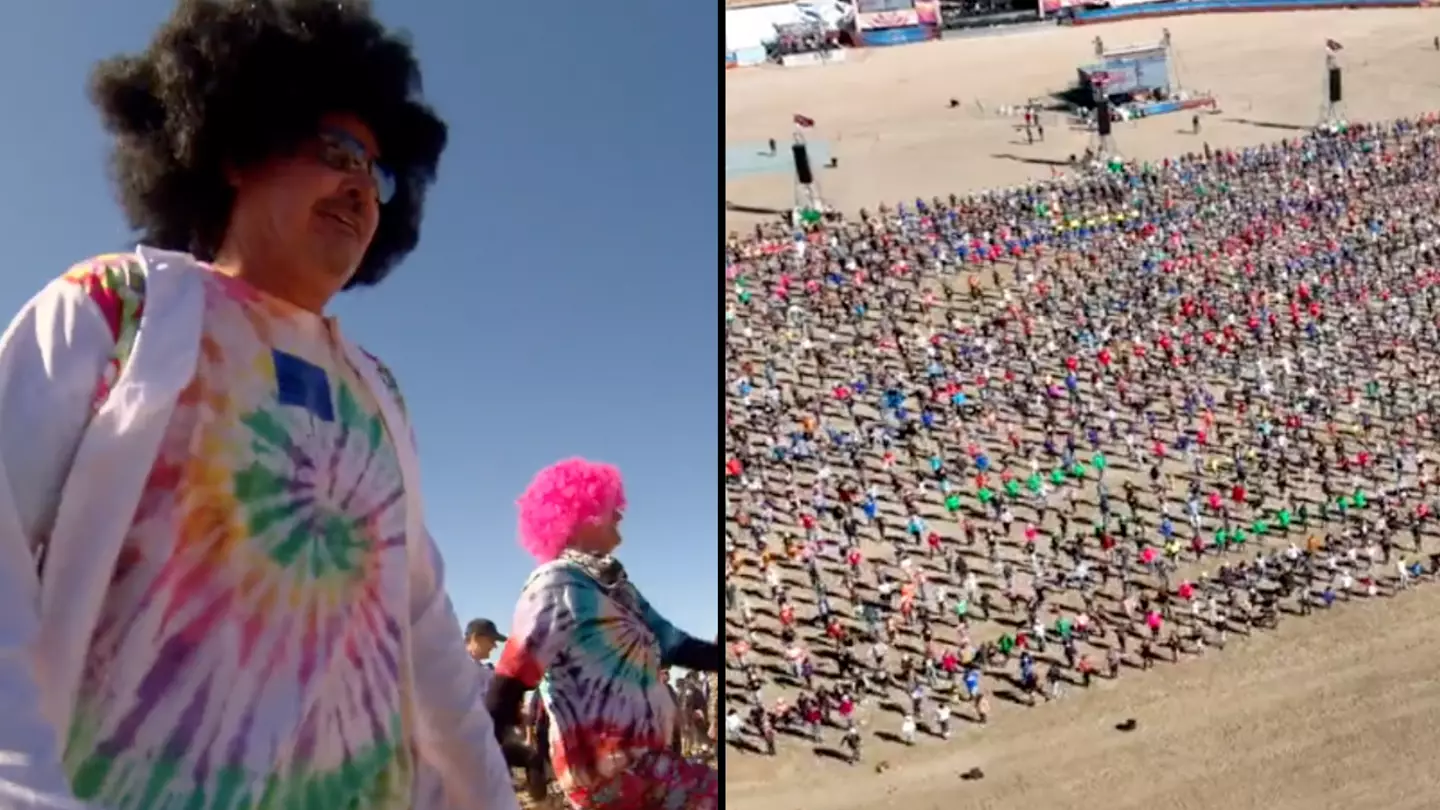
107, 275
111, 285
558, 575
387, 377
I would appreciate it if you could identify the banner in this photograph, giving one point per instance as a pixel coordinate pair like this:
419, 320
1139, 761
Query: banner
750, 57
897, 36
869, 6
1116, 78
871, 20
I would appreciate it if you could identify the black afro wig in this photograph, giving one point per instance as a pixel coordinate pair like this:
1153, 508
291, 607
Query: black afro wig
234, 82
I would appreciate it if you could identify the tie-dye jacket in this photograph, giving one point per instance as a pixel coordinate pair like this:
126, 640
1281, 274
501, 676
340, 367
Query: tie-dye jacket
595, 655
58, 437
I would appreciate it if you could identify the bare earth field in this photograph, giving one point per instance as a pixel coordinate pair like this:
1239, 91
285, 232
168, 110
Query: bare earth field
1335, 711
885, 115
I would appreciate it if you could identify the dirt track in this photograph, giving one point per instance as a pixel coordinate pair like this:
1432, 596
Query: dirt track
1335, 711
885, 115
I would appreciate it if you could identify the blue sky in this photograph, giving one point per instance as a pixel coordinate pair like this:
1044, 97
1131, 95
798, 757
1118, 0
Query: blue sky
563, 298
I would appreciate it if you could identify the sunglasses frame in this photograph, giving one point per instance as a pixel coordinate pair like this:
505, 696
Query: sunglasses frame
380, 175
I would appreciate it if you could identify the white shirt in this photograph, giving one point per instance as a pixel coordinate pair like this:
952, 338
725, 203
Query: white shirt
734, 724
53, 352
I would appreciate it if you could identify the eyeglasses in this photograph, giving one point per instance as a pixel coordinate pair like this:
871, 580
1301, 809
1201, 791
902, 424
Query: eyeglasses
341, 151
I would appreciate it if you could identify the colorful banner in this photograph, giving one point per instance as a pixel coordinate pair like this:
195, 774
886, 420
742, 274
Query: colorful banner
897, 36
872, 20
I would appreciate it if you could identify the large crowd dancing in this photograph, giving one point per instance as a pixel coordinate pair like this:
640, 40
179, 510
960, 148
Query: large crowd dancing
996, 447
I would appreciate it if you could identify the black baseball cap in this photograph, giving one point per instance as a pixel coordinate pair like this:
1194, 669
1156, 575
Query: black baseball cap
483, 628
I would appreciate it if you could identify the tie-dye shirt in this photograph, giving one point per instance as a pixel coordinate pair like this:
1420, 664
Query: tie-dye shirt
250, 650
595, 655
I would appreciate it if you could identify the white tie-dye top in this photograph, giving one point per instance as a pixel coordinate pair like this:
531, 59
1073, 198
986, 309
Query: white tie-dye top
251, 648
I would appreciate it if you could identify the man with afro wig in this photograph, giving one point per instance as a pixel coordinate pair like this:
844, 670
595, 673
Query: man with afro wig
216, 585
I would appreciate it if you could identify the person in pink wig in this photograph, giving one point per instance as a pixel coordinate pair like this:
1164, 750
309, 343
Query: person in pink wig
594, 647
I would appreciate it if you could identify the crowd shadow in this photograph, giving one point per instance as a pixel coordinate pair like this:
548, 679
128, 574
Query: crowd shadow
1036, 161
1270, 124
741, 208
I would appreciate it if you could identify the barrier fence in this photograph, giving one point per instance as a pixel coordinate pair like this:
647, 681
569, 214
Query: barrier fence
1171, 9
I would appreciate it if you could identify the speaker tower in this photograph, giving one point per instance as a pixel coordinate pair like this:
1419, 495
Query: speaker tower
1104, 146
1332, 112
807, 191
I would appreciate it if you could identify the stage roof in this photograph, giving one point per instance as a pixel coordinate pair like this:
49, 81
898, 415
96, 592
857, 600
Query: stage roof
1134, 52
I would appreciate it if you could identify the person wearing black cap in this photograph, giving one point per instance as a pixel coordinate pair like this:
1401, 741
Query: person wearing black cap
481, 636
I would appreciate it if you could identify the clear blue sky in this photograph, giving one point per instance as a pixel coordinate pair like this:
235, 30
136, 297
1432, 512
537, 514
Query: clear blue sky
563, 298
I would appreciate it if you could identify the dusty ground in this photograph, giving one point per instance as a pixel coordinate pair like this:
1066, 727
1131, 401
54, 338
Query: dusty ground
1336, 711
1329, 712
884, 114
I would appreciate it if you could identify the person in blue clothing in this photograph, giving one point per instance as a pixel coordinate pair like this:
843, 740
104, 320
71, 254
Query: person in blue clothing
972, 683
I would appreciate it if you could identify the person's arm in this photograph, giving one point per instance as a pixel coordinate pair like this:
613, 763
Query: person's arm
450, 696
542, 624
678, 648
696, 654
504, 701
52, 357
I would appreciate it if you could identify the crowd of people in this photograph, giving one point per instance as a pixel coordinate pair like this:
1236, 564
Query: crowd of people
997, 446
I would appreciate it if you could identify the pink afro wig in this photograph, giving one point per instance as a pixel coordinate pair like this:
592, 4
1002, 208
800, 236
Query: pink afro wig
562, 498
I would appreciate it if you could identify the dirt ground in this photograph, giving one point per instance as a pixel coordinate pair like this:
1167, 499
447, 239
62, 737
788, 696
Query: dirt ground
884, 113
1337, 711
1328, 712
